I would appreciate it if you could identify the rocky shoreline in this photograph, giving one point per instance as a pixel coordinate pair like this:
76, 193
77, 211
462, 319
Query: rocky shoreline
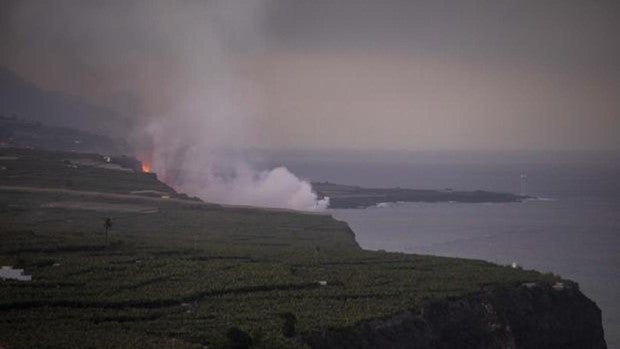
532, 315
346, 196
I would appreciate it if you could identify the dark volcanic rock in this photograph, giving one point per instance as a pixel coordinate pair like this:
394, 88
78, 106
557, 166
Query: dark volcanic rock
346, 196
527, 316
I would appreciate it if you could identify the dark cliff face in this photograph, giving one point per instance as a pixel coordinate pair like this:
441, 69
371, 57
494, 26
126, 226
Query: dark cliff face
527, 316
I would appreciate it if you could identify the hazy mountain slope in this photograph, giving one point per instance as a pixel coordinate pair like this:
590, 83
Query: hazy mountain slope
22, 98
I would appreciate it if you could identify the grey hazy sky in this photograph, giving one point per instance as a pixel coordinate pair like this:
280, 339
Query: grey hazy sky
462, 74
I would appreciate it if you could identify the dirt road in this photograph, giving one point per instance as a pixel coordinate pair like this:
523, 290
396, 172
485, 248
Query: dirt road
101, 195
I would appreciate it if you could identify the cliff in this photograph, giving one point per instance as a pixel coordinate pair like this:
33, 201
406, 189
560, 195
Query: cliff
532, 315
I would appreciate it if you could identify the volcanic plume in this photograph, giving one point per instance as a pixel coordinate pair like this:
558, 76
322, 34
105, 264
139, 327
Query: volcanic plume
179, 70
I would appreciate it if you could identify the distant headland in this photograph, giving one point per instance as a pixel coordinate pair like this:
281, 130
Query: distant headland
347, 196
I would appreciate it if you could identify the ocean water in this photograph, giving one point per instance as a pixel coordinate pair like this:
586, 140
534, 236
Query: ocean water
573, 231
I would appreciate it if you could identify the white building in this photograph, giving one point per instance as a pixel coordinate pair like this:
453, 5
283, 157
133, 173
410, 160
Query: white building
8, 273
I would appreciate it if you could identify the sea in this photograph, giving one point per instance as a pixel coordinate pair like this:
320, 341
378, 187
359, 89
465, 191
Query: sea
571, 228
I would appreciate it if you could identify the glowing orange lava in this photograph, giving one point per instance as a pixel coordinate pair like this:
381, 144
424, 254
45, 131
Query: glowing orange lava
146, 167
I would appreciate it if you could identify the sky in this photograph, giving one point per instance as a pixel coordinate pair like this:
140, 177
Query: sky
321, 74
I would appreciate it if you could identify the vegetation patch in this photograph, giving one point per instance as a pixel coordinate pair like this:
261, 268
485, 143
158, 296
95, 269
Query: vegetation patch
187, 277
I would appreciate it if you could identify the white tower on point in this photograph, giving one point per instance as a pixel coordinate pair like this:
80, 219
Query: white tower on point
523, 183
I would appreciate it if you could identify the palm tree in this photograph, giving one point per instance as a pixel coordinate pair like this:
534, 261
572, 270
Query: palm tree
107, 224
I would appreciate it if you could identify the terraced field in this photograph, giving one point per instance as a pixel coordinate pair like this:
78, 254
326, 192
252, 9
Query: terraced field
187, 274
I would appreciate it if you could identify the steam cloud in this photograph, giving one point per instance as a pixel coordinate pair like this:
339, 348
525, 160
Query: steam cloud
203, 171
178, 68
243, 185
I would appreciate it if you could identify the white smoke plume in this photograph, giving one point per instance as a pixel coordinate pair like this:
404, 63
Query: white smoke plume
196, 168
244, 185
179, 67
217, 110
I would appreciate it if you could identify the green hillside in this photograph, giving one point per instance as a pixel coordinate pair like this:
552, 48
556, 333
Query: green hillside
180, 273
